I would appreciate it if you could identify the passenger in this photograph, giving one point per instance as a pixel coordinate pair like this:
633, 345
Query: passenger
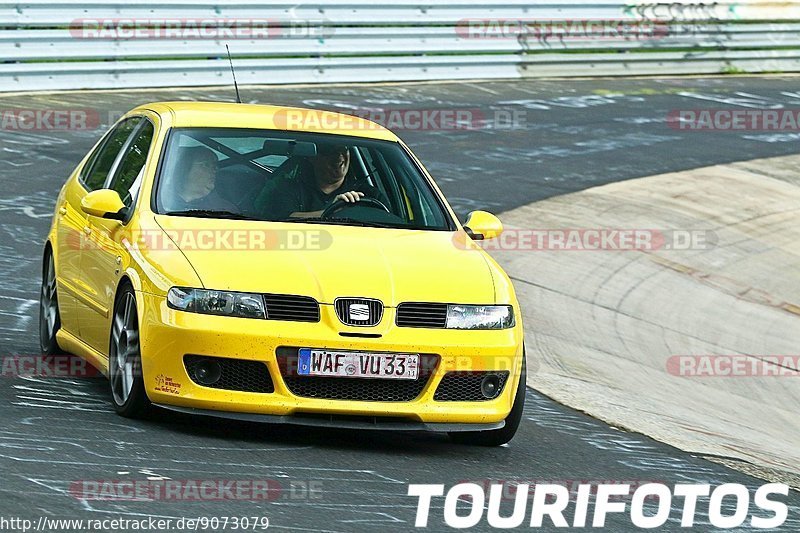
194, 182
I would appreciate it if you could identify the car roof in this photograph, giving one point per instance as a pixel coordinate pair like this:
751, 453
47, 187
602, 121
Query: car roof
256, 116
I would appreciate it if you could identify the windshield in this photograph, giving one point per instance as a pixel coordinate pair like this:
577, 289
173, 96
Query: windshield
295, 177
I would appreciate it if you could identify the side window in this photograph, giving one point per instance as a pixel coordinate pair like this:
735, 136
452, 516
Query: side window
383, 178
103, 159
128, 177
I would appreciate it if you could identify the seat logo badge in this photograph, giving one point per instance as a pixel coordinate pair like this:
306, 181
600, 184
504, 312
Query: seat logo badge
359, 312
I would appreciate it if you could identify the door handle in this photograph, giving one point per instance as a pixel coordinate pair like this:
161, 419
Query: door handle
87, 230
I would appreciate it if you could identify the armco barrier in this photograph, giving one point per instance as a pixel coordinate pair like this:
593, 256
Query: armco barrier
66, 44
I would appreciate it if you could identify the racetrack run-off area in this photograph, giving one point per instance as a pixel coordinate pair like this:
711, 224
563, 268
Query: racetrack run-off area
534, 145
613, 341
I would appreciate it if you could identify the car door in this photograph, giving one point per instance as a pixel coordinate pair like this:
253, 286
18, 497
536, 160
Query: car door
69, 237
103, 263
95, 177
72, 227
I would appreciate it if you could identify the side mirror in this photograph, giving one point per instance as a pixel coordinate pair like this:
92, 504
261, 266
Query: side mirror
481, 225
104, 203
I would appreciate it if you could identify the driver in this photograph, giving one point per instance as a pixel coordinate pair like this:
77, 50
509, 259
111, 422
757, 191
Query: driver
319, 182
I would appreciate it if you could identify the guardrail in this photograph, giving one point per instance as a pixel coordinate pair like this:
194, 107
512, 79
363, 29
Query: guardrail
65, 44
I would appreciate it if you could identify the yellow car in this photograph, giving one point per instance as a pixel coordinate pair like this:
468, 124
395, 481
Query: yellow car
284, 265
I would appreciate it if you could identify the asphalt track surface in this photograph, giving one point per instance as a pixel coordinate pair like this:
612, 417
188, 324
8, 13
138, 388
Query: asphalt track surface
572, 135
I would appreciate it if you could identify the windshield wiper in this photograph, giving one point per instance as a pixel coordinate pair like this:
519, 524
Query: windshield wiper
354, 222
212, 213
340, 222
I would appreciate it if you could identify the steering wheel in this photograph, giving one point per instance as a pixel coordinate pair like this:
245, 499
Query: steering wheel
340, 204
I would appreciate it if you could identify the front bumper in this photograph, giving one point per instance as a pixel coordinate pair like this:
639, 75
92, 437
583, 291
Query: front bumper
167, 335
341, 422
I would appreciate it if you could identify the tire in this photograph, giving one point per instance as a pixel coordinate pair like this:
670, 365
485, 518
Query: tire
49, 315
498, 437
124, 358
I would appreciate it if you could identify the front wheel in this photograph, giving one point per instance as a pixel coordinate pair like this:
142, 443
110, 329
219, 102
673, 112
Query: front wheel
497, 437
125, 358
49, 316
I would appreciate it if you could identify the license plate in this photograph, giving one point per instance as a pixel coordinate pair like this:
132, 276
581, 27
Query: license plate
357, 364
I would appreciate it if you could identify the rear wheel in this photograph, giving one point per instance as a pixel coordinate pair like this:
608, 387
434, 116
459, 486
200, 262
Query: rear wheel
125, 359
49, 316
497, 437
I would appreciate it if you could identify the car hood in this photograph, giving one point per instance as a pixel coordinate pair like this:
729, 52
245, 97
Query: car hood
328, 261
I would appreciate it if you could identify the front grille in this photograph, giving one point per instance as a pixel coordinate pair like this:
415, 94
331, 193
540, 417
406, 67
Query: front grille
293, 308
466, 386
357, 389
421, 315
358, 311
235, 374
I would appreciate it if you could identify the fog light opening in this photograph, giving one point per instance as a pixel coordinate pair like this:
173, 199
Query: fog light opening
207, 372
490, 385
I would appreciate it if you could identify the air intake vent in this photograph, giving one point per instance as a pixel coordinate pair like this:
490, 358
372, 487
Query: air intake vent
293, 308
358, 311
422, 315
466, 386
229, 374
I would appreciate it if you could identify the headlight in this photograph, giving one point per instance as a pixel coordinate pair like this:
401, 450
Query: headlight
480, 316
208, 302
